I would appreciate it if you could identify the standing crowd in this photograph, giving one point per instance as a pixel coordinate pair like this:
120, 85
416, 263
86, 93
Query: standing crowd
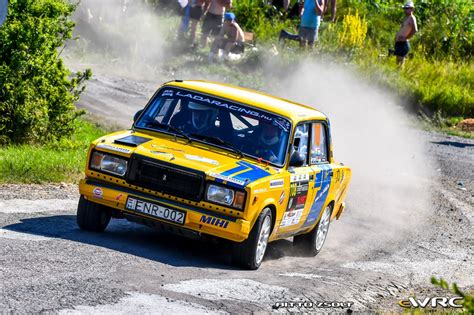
221, 24
218, 23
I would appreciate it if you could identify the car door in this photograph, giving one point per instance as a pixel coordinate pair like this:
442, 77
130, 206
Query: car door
301, 184
319, 163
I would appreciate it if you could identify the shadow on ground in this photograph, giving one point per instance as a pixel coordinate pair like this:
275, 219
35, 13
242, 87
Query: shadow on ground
142, 241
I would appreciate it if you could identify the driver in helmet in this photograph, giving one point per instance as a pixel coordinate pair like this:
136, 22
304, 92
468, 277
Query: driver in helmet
201, 119
268, 142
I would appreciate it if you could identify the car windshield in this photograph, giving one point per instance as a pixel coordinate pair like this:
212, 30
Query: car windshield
235, 127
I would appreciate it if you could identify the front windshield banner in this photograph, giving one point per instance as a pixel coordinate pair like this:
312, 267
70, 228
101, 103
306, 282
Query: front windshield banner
243, 129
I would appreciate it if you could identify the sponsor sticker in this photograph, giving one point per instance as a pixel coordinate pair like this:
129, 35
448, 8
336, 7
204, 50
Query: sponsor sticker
201, 159
259, 191
167, 93
112, 148
227, 178
291, 218
206, 219
299, 177
276, 183
282, 197
97, 192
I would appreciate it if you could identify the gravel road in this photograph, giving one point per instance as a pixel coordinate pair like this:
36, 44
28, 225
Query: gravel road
48, 265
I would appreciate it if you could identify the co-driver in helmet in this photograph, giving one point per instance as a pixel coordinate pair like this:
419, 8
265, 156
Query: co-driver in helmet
268, 142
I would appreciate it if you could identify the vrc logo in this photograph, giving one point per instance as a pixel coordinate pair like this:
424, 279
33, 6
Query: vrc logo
433, 302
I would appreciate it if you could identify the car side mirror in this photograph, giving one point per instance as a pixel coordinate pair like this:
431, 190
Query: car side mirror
137, 115
296, 159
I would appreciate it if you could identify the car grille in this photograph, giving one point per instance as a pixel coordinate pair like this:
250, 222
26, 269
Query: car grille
165, 178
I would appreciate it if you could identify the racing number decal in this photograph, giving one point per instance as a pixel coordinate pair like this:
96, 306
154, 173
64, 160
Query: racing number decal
322, 184
299, 186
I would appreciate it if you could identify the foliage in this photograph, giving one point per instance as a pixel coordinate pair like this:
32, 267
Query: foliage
36, 100
354, 30
444, 29
59, 161
261, 19
468, 300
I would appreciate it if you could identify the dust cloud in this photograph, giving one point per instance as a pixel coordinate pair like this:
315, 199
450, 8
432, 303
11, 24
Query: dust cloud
124, 37
374, 135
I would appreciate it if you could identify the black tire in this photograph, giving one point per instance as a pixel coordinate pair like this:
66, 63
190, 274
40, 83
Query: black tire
307, 243
245, 253
92, 216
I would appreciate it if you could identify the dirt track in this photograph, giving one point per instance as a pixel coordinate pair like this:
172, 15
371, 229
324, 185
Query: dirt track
48, 264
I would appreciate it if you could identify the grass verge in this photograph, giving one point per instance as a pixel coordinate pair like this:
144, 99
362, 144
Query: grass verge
62, 161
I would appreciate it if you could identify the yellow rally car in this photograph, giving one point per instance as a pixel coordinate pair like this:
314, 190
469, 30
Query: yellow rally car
206, 159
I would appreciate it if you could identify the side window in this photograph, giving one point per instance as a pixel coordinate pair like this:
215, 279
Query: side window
319, 152
300, 143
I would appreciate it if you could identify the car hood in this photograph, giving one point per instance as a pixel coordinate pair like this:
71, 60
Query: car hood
220, 164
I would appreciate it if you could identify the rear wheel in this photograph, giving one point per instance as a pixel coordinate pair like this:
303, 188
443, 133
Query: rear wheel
92, 216
249, 253
312, 242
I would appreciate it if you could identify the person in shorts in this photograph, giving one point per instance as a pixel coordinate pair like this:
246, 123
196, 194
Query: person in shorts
192, 13
407, 30
310, 13
197, 8
214, 15
230, 38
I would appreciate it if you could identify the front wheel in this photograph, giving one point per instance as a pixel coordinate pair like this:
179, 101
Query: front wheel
249, 253
92, 216
312, 242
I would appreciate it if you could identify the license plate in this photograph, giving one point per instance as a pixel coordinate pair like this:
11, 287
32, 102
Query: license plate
154, 210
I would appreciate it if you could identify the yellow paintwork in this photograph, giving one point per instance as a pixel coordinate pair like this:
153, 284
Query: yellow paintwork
260, 193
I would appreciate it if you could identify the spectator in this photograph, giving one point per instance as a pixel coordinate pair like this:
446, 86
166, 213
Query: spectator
197, 7
311, 11
407, 30
333, 9
230, 39
214, 11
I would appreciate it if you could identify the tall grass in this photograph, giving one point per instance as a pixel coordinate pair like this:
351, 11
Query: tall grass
62, 161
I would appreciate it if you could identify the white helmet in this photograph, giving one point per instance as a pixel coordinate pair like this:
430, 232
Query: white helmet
202, 115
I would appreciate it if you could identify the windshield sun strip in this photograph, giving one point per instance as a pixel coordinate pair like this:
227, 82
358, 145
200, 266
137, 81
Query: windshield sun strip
157, 94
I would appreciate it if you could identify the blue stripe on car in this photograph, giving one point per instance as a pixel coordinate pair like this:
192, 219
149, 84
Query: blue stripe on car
323, 182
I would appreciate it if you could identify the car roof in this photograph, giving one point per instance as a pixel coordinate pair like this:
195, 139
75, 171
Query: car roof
294, 111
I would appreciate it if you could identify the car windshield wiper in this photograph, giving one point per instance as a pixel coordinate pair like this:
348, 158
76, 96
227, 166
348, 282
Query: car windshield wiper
218, 141
170, 128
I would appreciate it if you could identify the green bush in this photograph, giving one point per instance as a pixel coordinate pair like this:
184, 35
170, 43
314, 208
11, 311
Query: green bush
261, 19
468, 300
38, 91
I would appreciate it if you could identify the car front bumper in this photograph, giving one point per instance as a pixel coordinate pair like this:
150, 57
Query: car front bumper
199, 220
